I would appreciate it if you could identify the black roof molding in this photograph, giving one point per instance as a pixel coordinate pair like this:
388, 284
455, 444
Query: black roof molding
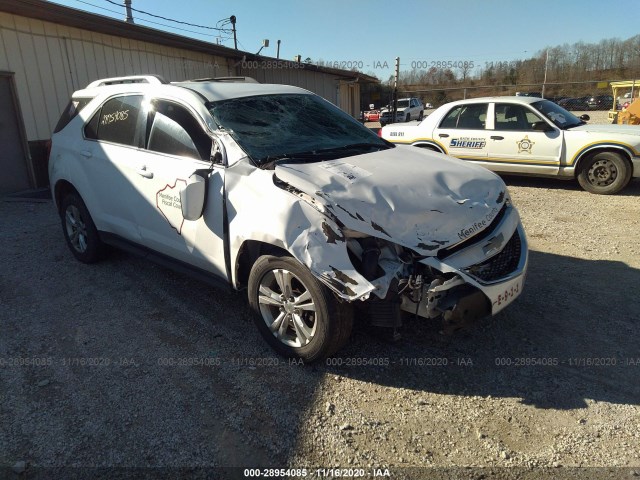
72, 17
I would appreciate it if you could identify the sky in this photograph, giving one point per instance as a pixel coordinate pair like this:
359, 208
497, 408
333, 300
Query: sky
371, 34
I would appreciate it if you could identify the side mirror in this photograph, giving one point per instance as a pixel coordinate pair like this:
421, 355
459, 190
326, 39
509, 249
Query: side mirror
542, 127
585, 117
192, 197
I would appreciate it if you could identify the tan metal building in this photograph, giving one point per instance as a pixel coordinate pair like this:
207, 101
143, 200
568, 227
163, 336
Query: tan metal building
47, 51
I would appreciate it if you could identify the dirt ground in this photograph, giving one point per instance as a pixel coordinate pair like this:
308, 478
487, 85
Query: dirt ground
126, 364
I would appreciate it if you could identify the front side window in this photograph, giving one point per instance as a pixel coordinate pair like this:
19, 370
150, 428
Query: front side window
118, 121
174, 131
468, 117
514, 117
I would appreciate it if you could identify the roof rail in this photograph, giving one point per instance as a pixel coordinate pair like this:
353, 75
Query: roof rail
153, 79
225, 79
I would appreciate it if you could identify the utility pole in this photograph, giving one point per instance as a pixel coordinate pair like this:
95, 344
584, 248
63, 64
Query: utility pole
278, 51
235, 38
395, 91
546, 65
129, 17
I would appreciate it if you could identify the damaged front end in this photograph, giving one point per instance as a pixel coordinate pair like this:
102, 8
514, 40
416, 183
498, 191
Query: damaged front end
447, 244
430, 287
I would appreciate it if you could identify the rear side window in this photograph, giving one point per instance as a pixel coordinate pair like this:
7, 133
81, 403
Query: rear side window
471, 117
72, 109
118, 121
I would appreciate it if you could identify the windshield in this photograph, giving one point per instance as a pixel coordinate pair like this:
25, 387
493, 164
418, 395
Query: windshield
275, 127
403, 103
558, 115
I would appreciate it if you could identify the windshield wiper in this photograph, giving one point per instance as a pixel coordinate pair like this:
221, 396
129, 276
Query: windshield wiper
315, 155
270, 160
352, 146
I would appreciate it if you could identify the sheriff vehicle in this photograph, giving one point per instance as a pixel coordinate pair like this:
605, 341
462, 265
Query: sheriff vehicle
273, 189
530, 136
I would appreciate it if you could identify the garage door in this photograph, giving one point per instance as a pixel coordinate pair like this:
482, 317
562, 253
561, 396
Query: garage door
13, 162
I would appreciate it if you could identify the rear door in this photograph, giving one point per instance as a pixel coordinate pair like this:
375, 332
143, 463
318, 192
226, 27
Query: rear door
109, 160
463, 132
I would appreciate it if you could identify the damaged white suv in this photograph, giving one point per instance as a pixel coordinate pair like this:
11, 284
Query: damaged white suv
273, 189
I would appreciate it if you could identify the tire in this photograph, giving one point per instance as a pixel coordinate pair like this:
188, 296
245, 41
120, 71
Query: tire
79, 230
303, 332
421, 116
407, 118
605, 173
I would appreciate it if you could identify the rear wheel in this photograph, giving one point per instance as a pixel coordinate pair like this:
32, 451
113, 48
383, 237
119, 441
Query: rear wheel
421, 116
79, 230
605, 173
294, 312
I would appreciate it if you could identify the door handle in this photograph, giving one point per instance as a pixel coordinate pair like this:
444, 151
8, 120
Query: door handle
144, 172
443, 135
86, 153
496, 137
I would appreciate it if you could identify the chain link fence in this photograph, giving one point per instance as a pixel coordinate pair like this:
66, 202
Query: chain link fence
598, 99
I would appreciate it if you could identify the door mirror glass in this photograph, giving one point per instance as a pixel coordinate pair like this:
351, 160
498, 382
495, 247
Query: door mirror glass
193, 196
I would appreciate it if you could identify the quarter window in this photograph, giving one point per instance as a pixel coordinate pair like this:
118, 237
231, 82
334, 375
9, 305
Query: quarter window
71, 111
174, 131
117, 121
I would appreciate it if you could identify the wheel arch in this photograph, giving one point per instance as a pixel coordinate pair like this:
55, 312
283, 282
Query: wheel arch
249, 252
428, 146
61, 190
625, 151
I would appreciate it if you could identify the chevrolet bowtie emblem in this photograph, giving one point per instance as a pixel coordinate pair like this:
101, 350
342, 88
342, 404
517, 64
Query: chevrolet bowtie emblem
493, 245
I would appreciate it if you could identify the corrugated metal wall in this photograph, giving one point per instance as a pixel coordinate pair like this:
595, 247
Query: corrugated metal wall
344, 94
51, 61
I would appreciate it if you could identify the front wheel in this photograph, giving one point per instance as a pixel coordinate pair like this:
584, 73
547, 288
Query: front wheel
605, 173
295, 313
407, 118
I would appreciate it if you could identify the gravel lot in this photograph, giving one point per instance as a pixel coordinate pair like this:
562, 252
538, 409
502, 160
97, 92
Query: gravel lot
551, 383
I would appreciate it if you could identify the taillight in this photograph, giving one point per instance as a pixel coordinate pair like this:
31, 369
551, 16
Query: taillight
380, 132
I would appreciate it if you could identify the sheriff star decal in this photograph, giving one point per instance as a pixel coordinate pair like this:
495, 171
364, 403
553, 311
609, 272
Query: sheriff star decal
525, 145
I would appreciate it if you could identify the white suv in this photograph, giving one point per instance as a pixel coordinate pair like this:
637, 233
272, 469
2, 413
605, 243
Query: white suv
408, 109
273, 189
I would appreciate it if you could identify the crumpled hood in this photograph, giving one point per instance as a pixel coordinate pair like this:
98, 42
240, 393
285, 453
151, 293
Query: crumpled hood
416, 198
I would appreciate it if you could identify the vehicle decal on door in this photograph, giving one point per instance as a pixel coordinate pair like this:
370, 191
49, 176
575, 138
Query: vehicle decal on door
468, 142
525, 145
168, 202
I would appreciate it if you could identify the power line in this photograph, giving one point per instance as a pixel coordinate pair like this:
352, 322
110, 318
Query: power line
145, 20
96, 6
169, 26
226, 30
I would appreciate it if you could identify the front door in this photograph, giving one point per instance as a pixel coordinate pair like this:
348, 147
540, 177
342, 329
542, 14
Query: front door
514, 140
176, 147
